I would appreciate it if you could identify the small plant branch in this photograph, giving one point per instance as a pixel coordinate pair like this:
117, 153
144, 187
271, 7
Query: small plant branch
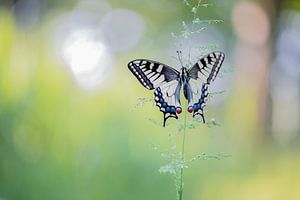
180, 191
204, 156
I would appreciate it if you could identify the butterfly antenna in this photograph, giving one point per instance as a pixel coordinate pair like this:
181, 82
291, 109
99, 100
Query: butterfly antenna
179, 53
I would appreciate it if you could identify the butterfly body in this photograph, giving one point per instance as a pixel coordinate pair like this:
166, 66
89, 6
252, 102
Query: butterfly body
167, 82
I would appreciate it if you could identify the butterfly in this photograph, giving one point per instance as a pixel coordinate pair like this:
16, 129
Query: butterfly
167, 82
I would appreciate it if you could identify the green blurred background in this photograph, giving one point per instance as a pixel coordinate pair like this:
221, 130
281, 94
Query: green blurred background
70, 127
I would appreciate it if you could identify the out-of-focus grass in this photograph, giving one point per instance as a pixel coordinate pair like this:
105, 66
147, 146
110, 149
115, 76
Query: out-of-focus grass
59, 142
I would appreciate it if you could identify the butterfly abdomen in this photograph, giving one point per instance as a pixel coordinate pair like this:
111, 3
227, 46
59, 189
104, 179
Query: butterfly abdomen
187, 92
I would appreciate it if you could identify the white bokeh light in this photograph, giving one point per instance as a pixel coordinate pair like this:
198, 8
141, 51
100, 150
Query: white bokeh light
81, 52
122, 29
88, 58
88, 38
80, 45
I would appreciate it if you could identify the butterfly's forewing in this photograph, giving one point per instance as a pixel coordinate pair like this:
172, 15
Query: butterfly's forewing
207, 68
166, 82
206, 71
152, 74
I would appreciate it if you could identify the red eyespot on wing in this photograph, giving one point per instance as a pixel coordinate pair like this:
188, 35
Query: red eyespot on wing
178, 110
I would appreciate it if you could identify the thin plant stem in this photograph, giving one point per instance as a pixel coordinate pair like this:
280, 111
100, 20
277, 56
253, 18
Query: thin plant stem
180, 192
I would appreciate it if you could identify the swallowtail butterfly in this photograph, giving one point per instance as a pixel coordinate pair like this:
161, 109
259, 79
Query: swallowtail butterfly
166, 83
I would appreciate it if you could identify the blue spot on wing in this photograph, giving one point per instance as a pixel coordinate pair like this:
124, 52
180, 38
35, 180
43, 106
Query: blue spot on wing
173, 109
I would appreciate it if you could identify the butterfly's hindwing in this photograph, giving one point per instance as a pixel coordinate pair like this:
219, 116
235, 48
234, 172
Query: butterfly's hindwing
167, 98
199, 106
207, 67
152, 74
167, 109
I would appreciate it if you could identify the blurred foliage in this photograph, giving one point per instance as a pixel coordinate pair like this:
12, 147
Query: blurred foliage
60, 142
